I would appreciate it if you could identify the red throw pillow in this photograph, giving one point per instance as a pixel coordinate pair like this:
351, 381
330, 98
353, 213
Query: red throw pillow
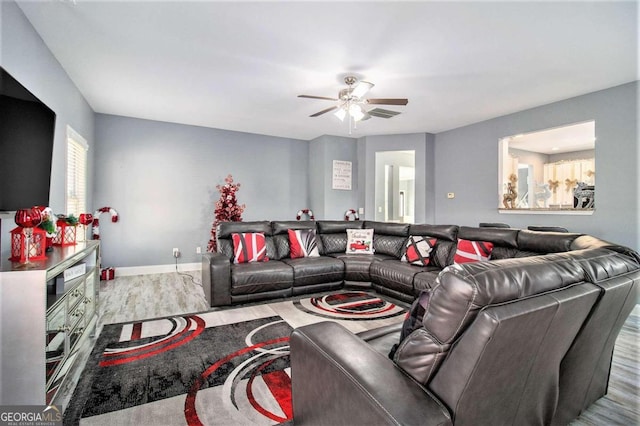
418, 250
472, 251
302, 243
249, 247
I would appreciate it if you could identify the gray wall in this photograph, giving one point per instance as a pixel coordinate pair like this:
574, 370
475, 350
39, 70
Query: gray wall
161, 179
328, 203
25, 56
467, 164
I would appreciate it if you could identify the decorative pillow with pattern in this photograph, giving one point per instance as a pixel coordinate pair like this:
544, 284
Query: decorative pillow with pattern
413, 318
302, 243
249, 247
418, 249
472, 251
360, 241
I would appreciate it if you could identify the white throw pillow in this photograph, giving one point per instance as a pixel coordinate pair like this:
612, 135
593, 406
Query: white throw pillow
360, 241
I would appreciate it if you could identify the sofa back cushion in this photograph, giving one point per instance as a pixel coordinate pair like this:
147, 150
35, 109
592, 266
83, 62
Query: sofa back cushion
333, 235
584, 372
226, 229
461, 291
545, 242
446, 237
281, 235
510, 358
504, 240
388, 238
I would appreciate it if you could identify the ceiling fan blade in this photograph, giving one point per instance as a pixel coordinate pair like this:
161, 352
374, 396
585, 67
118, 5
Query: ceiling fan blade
317, 97
383, 113
361, 88
398, 101
324, 111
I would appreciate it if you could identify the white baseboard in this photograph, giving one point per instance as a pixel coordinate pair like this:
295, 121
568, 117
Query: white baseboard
125, 271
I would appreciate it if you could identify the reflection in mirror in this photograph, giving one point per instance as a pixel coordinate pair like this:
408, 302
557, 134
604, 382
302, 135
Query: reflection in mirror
395, 186
552, 169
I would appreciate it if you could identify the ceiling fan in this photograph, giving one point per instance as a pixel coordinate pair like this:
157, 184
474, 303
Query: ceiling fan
351, 102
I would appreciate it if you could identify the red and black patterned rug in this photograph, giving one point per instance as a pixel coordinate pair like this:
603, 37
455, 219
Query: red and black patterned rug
228, 367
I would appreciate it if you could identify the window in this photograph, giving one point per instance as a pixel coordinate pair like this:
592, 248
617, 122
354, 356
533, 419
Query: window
76, 173
550, 171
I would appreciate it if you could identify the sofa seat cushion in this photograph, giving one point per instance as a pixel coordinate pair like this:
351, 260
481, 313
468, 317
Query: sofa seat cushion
395, 275
382, 338
315, 270
356, 266
258, 277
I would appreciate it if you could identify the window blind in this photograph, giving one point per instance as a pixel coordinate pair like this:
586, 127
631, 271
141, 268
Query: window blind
77, 148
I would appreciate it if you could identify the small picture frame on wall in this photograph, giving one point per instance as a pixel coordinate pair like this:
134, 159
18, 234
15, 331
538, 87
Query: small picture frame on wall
342, 174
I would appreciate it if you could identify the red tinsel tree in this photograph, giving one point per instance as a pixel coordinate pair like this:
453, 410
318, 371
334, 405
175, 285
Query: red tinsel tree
227, 209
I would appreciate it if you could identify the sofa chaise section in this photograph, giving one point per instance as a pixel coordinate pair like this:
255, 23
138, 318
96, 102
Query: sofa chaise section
237, 283
524, 341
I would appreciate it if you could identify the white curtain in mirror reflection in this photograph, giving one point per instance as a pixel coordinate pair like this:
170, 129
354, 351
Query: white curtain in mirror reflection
555, 186
564, 177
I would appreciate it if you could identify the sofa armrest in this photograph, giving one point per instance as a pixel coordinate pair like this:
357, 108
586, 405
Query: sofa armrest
216, 279
338, 379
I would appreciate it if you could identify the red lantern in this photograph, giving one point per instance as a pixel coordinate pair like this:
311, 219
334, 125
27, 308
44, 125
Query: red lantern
37, 245
65, 235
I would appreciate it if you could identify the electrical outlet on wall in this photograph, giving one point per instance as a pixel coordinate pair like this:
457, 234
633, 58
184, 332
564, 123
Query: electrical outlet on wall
176, 252
198, 250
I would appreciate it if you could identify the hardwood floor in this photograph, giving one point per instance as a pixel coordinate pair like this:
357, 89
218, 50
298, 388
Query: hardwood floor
621, 405
158, 295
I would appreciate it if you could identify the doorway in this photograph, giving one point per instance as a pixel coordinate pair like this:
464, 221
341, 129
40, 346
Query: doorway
395, 186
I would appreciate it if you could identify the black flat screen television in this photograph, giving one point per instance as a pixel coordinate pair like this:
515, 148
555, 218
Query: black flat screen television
27, 129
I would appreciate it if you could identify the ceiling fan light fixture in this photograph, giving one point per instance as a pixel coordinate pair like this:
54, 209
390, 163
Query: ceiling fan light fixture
355, 111
353, 106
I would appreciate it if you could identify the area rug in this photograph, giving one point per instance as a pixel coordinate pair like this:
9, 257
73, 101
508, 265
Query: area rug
228, 367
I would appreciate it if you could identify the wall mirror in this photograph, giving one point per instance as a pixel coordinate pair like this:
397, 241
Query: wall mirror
395, 186
551, 170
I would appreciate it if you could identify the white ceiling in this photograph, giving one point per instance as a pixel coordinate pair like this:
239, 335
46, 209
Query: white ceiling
240, 65
571, 138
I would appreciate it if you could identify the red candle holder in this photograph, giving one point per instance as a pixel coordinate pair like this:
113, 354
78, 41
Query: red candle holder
65, 235
37, 245
24, 247
85, 220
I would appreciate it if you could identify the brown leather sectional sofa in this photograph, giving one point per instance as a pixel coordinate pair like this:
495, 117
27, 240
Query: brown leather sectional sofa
524, 339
